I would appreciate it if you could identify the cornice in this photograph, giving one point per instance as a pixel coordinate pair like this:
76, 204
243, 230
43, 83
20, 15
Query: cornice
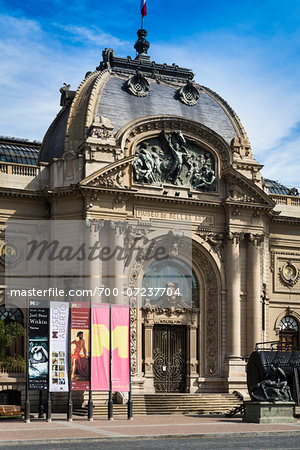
13, 192
286, 219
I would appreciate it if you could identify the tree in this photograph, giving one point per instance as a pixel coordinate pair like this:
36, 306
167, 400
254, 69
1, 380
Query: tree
9, 334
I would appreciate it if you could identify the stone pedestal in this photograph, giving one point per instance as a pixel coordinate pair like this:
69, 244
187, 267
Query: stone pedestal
269, 412
235, 371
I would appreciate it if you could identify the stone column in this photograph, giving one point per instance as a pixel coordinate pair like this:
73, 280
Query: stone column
148, 342
233, 284
148, 354
192, 355
254, 324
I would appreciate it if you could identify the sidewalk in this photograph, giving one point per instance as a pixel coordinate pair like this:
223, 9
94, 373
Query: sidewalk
59, 430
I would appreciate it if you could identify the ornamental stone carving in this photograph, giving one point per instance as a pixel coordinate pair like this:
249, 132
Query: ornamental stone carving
138, 85
113, 180
256, 239
212, 321
289, 275
237, 194
101, 128
170, 158
133, 341
215, 240
189, 94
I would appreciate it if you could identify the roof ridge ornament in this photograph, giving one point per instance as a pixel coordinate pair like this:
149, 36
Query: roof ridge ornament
142, 45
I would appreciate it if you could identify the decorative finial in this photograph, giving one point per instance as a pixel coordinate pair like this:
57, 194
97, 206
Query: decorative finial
142, 45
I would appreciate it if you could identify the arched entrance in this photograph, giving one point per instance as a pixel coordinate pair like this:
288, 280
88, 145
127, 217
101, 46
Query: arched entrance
181, 333
173, 290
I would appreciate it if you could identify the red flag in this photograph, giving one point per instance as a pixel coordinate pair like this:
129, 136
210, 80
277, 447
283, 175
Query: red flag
143, 8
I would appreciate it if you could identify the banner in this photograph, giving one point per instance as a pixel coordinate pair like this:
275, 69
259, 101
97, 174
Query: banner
120, 348
38, 345
100, 347
58, 374
80, 347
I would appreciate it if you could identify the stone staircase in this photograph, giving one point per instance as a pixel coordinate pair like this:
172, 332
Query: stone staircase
146, 404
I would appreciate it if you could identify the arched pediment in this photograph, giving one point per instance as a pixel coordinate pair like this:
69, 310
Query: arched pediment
147, 127
180, 153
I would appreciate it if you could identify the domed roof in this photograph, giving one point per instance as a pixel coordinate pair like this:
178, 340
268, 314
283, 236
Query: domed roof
123, 90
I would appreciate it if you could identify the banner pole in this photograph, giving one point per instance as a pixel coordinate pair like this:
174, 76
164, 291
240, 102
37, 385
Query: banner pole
130, 406
90, 403
49, 407
70, 404
27, 401
110, 401
41, 405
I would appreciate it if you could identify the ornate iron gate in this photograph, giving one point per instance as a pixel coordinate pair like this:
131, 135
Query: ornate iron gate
169, 358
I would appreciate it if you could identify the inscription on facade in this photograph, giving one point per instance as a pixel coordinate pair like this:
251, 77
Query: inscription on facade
204, 220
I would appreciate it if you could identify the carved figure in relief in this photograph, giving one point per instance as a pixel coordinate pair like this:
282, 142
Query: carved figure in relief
205, 177
174, 160
143, 165
176, 143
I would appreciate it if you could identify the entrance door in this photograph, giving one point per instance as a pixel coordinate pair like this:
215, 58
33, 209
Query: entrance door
169, 358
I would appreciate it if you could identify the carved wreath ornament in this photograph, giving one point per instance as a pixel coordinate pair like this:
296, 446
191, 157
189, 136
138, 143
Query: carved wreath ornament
289, 275
138, 85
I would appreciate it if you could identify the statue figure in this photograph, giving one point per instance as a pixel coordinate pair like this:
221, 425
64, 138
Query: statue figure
180, 154
275, 388
143, 165
156, 160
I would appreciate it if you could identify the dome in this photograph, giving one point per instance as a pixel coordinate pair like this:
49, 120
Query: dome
122, 90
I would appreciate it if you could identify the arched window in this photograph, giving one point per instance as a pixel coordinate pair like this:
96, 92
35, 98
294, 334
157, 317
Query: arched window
171, 272
288, 333
11, 314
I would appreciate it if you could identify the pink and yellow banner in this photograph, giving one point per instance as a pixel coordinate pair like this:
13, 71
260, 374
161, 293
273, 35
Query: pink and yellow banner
120, 348
100, 347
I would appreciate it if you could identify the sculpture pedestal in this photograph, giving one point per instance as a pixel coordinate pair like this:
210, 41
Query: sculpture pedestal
269, 412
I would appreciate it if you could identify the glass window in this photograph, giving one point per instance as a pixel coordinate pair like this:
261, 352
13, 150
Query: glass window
288, 333
161, 274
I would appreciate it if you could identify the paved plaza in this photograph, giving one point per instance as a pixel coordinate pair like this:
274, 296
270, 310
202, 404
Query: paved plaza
15, 431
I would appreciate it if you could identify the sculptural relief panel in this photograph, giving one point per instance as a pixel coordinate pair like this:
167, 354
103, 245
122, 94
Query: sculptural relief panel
171, 158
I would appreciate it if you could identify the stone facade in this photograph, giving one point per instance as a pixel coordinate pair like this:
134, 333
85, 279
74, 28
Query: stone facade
140, 141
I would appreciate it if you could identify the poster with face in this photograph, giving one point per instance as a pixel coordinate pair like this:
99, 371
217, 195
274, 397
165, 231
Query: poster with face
58, 372
38, 357
80, 346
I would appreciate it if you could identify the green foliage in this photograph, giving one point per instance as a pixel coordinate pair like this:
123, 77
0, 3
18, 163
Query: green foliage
9, 334
14, 364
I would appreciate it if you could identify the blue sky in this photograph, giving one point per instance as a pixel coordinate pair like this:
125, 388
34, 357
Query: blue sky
249, 52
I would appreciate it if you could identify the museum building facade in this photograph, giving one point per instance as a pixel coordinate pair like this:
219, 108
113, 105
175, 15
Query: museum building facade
141, 143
